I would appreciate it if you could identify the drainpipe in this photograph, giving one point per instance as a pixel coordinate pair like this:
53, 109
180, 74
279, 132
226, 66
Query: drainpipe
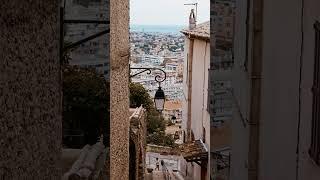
203, 87
255, 104
190, 59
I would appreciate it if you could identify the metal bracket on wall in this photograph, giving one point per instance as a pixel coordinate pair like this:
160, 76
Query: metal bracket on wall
157, 78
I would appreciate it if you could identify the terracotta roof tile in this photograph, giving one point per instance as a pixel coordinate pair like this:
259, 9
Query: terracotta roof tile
201, 31
195, 150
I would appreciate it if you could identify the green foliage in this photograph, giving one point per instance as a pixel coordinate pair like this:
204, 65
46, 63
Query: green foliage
161, 139
85, 102
156, 124
139, 96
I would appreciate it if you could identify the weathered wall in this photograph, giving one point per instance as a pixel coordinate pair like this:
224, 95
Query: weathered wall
119, 55
280, 93
307, 168
185, 85
241, 90
199, 115
279, 90
138, 132
200, 66
30, 113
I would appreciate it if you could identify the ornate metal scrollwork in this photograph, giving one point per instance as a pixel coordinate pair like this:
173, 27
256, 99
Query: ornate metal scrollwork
158, 78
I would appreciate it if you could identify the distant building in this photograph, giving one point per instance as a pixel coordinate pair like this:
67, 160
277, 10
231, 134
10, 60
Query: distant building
180, 68
94, 53
195, 117
172, 66
222, 19
172, 111
155, 60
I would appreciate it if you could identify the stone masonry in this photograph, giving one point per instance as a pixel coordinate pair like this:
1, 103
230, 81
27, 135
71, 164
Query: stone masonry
30, 91
119, 56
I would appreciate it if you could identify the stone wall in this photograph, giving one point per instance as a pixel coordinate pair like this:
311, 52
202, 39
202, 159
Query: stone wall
30, 94
162, 149
138, 133
119, 55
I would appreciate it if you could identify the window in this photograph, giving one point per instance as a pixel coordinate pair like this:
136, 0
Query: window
314, 150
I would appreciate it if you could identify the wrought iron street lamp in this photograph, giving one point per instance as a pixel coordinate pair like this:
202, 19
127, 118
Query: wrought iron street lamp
159, 97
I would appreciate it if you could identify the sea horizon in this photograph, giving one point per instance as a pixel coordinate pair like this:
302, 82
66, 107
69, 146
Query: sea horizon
171, 29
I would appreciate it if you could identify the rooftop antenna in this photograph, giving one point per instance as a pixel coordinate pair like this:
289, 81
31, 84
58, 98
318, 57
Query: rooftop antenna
194, 4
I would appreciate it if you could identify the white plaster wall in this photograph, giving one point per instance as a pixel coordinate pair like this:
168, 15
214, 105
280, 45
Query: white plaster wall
199, 115
201, 55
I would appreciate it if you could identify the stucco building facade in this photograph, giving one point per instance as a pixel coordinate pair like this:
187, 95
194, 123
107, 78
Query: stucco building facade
195, 117
275, 121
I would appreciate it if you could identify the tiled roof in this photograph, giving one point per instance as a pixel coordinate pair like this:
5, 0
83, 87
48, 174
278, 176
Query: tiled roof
201, 31
194, 151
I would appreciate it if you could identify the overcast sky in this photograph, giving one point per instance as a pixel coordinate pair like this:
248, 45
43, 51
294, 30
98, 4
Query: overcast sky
166, 12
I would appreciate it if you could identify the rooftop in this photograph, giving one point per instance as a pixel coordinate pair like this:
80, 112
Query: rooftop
171, 105
194, 151
202, 31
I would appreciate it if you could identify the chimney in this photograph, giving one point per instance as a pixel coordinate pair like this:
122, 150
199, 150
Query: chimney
192, 20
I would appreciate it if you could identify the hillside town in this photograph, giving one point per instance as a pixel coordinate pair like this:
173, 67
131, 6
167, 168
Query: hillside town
184, 57
158, 50
237, 99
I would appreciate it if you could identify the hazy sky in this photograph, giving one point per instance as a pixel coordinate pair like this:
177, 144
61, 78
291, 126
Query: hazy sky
166, 12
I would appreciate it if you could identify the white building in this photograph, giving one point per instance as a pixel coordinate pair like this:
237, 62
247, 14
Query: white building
275, 132
155, 60
195, 117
